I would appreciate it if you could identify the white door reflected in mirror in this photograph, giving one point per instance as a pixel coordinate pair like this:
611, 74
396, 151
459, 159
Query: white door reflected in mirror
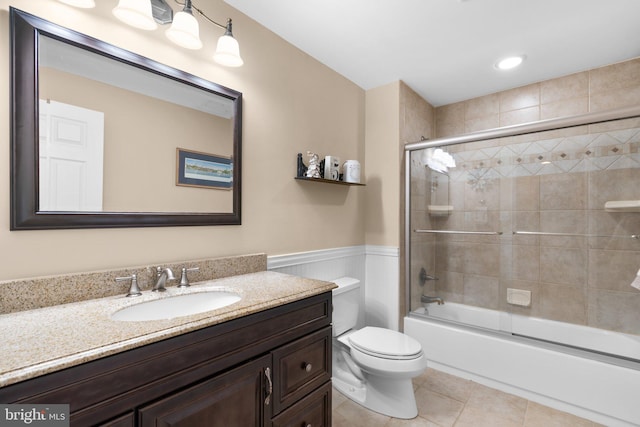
71, 157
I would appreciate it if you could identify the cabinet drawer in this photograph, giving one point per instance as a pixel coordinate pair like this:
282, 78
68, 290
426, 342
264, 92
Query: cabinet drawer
314, 410
300, 367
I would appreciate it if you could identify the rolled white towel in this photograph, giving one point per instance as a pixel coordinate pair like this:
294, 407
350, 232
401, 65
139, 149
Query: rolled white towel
636, 281
622, 206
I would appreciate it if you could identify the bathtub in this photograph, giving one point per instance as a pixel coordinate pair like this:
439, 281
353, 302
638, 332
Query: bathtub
588, 383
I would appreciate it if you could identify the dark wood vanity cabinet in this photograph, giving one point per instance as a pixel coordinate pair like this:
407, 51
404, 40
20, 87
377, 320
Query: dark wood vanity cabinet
234, 398
271, 368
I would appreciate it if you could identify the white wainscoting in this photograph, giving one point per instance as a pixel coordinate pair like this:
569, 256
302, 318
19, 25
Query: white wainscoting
376, 267
382, 296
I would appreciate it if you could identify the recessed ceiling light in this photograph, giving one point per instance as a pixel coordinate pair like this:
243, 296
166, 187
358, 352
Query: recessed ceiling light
509, 62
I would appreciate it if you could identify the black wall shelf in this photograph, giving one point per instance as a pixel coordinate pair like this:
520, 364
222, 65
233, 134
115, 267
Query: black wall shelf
328, 181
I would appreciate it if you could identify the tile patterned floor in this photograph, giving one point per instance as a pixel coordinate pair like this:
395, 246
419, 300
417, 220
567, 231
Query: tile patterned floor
445, 400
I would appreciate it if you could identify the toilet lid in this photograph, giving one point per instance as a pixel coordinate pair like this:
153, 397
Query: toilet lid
385, 343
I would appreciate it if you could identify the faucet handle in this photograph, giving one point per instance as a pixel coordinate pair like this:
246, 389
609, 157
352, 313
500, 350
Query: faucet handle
134, 290
184, 280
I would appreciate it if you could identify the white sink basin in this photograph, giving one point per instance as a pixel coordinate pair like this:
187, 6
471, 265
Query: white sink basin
177, 306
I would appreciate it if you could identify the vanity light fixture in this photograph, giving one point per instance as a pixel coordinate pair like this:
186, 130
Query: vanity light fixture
85, 4
184, 30
509, 62
227, 49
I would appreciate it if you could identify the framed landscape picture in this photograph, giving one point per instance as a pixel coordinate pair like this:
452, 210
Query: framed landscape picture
196, 169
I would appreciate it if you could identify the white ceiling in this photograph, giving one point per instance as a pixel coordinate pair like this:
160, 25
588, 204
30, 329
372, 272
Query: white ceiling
445, 50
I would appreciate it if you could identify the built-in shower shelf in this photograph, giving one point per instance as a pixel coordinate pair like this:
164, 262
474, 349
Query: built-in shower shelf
439, 210
622, 206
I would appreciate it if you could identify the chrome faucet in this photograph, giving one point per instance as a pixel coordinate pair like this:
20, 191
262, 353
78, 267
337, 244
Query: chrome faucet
162, 275
429, 300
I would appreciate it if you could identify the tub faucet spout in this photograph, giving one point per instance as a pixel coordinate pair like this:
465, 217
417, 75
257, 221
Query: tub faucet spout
428, 300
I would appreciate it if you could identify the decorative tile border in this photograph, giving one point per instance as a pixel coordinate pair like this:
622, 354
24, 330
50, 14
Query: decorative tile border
617, 149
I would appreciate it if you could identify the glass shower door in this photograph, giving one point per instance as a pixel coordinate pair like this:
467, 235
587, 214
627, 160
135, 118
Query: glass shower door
539, 226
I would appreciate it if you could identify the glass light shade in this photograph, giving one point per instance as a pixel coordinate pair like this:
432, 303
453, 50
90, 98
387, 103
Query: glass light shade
136, 13
85, 4
228, 52
185, 31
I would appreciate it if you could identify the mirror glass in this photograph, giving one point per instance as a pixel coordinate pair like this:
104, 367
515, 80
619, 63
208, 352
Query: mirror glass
113, 139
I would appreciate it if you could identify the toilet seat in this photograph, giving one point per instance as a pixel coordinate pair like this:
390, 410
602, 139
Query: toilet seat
385, 344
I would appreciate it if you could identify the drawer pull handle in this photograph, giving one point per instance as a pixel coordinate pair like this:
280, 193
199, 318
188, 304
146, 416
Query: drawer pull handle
306, 425
267, 374
307, 366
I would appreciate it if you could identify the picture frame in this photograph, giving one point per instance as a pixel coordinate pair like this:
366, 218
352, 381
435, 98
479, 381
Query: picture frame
203, 170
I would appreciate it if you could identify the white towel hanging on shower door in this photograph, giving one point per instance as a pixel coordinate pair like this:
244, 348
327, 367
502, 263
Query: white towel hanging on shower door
636, 281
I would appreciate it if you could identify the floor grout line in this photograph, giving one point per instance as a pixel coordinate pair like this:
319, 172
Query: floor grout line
490, 406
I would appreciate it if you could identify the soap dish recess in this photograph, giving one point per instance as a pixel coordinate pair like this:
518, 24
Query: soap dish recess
519, 297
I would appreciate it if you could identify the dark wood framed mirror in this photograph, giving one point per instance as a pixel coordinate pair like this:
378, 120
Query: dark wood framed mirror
148, 116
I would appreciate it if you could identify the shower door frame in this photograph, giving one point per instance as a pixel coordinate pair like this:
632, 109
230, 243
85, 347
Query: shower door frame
526, 128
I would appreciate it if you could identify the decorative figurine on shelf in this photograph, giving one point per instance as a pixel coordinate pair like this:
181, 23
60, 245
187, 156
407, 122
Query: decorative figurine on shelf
313, 171
302, 168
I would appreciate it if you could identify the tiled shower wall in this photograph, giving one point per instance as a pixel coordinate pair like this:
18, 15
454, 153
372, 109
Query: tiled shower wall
506, 185
601, 89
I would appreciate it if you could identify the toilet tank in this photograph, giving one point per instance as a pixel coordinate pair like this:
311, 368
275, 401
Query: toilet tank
346, 303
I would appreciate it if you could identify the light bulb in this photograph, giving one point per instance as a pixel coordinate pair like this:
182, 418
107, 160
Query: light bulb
185, 31
136, 13
509, 62
228, 50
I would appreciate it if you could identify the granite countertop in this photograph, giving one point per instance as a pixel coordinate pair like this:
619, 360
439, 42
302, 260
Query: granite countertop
40, 341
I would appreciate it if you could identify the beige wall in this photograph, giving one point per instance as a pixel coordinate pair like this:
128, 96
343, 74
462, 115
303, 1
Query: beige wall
382, 161
395, 114
140, 149
291, 104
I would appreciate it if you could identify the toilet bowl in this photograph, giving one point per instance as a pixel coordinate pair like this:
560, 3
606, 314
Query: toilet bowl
373, 366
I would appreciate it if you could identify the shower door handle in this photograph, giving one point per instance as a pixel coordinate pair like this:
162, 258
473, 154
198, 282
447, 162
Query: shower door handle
484, 233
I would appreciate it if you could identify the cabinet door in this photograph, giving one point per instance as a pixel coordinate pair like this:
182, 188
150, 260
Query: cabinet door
233, 399
127, 420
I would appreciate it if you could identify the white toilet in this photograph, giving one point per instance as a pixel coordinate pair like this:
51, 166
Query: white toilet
372, 366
